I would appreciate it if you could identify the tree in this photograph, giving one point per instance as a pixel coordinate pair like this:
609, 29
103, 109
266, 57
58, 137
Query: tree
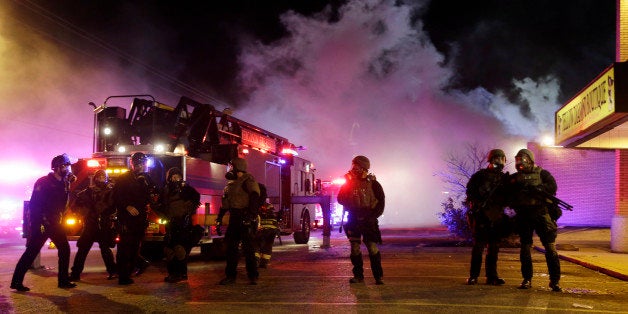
459, 167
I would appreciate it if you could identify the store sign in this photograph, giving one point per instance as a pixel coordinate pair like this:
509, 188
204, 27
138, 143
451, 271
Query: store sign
592, 105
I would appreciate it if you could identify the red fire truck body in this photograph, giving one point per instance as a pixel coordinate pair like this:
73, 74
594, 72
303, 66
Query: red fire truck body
201, 140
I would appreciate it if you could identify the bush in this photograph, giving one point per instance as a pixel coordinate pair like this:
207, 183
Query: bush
456, 219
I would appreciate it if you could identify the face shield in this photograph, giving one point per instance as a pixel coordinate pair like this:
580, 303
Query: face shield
523, 163
498, 162
100, 179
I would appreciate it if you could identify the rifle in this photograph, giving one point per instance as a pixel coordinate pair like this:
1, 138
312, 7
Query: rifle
342, 219
554, 200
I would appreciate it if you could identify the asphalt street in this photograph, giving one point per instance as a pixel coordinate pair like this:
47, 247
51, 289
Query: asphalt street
424, 271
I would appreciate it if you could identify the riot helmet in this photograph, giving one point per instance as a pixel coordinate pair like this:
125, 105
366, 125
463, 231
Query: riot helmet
60, 160
138, 158
101, 178
238, 164
361, 161
496, 158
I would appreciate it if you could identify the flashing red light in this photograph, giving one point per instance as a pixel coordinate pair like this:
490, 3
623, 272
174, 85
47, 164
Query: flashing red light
289, 151
339, 181
93, 163
245, 151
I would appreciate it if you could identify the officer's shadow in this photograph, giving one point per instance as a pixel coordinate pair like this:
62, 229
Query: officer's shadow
84, 302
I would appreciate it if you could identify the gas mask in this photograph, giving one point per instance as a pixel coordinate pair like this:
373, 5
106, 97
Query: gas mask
357, 172
100, 181
523, 163
498, 163
231, 175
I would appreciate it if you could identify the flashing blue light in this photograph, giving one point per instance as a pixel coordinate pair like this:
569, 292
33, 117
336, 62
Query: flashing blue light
150, 162
282, 161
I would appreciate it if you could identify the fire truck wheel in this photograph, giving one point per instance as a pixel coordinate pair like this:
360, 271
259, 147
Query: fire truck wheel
303, 236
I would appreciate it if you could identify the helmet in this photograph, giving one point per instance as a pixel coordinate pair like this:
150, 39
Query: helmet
362, 162
172, 171
101, 173
60, 161
239, 164
138, 158
495, 153
527, 152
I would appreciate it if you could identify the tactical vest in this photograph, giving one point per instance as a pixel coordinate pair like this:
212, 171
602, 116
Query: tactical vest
234, 194
492, 179
528, 180
361, 194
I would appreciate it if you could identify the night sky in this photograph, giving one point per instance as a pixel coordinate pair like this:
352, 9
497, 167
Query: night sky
402, 82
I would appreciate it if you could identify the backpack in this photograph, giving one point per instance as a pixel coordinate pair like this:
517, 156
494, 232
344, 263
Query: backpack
263, 195
362, 195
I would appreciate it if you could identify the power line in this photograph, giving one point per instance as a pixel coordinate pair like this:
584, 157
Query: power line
65, 24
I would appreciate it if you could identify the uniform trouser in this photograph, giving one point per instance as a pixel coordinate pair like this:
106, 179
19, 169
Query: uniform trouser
34, 245
368, 231
546, 230
84, 244
176, 258
375, 258
491, 259
236, 233
486, 235
264, 241
127, 254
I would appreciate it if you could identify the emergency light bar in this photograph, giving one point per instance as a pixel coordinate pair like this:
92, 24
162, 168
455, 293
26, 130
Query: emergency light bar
289, 151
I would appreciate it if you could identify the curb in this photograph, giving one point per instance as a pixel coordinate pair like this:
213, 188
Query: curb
588, 265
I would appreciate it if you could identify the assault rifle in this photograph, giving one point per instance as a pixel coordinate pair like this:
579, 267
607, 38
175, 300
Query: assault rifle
553, 199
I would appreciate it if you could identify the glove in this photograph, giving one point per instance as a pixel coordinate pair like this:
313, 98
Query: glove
219, 226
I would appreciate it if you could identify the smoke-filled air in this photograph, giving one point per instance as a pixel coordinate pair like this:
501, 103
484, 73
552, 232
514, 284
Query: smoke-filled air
369, 83
372, 84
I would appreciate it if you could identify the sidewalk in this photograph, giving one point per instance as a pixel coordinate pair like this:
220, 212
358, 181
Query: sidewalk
591, 248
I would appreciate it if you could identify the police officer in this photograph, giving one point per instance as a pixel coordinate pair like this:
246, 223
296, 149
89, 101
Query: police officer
486, 200
532, 215
363, 198
97, 203
47, 205
132, 198
180, 201
266, 234
240, 199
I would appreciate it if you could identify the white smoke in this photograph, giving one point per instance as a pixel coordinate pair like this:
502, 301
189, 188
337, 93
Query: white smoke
369, 84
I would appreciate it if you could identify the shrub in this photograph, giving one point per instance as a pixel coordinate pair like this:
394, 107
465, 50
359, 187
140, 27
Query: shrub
455, 218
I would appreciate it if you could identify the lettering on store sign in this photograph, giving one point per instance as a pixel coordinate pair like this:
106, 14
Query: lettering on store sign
592, 105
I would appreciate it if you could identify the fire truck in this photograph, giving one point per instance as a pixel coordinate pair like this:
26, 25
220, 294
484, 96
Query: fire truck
201, 140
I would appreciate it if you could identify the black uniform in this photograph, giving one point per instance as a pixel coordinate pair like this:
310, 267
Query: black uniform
180, 201
486, 199
131, 189
362, 223
46, 207
98, 227
532, 215
240, 199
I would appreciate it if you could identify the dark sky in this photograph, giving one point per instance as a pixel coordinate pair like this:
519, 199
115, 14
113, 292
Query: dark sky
197, 43
405, 83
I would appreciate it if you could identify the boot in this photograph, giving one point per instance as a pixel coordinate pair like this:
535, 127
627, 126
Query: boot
358, 270
376, 267
263, 263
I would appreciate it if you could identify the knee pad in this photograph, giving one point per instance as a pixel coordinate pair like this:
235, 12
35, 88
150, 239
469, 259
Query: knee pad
355, 248
372, 248
179, 252
168, 253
